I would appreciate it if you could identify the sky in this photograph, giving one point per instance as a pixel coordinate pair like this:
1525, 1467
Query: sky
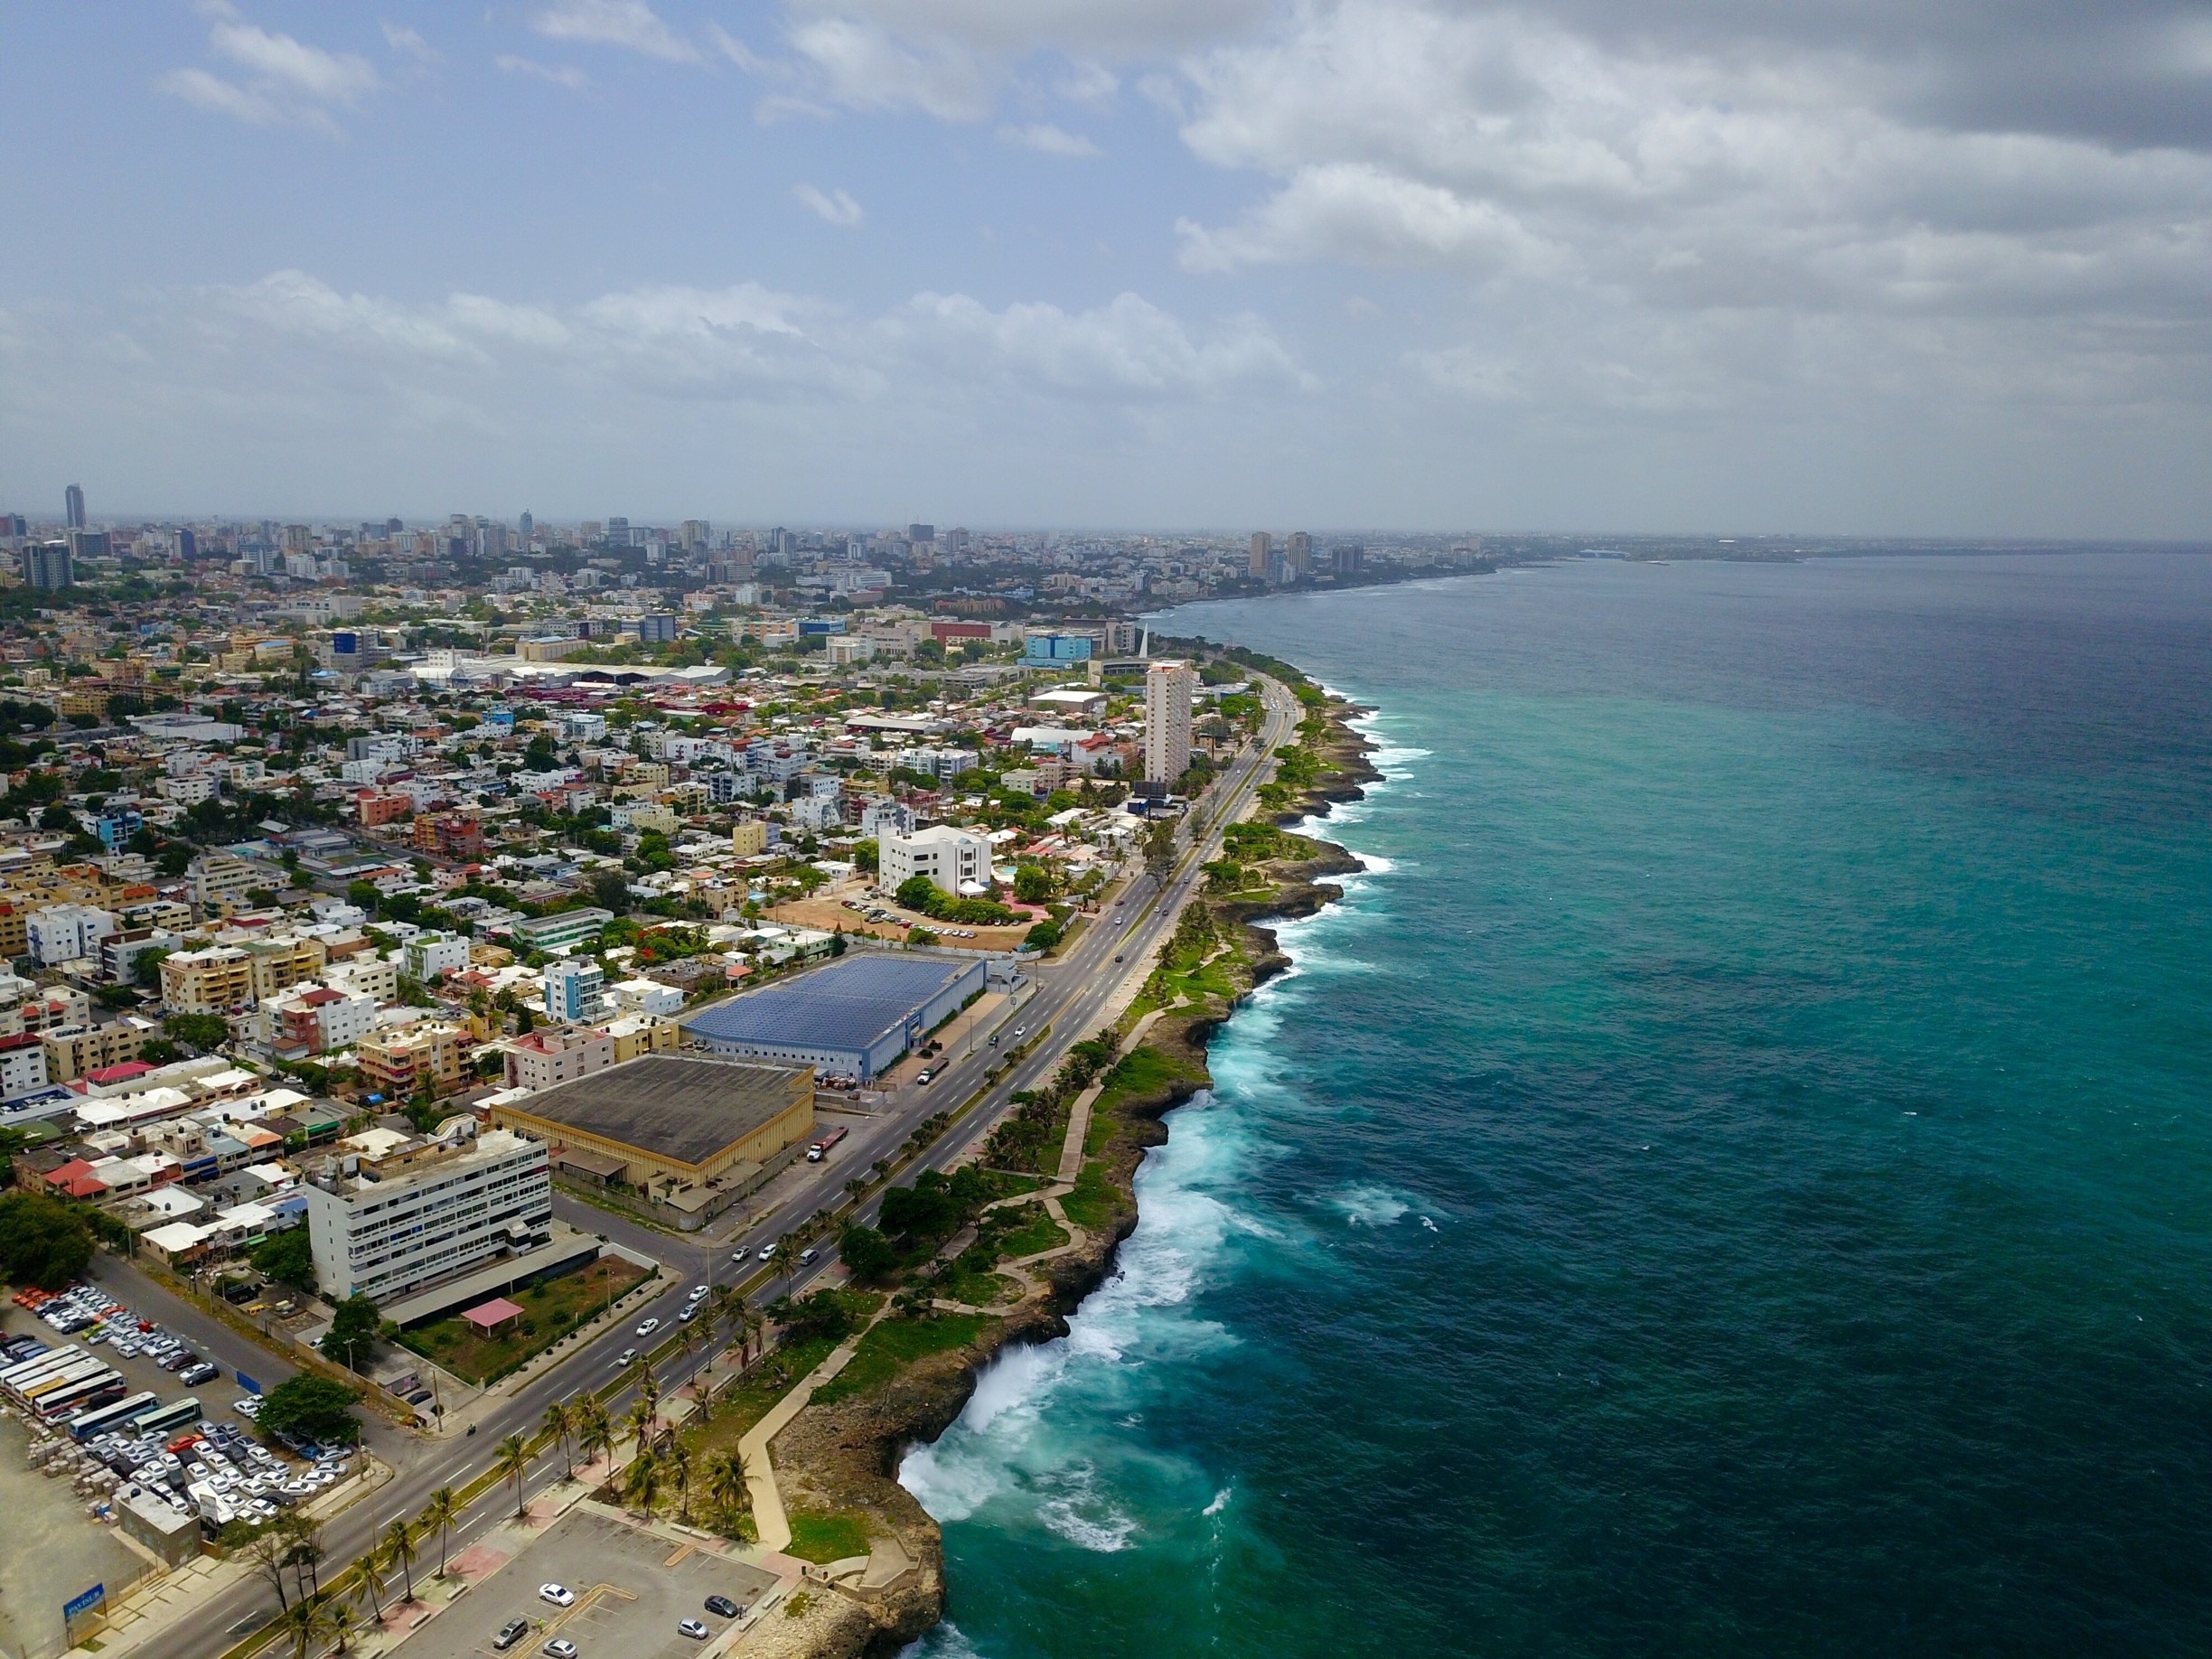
1835, 267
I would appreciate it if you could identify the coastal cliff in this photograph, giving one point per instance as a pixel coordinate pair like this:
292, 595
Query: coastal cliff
841, 1456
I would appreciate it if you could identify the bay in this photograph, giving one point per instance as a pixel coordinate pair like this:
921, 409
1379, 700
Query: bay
1731, 1178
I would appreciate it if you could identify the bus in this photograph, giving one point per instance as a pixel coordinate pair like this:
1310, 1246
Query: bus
179, 1414
97, 1390
20, 1377
86, 1424
36, 1393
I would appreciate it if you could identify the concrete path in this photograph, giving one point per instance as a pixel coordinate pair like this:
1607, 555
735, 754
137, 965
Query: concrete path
1078, 1114
772, 1525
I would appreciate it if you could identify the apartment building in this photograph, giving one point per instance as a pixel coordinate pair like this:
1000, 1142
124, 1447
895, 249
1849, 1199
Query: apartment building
382, 1227
219, 882
316, 1020
71, 1053
434, 955
282, 962
399, 1064
365, 976
216, 979
542, 1058
1169, 688
574, 992
68, 933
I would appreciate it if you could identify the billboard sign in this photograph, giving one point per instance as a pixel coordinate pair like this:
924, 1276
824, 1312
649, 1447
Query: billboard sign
83, 1615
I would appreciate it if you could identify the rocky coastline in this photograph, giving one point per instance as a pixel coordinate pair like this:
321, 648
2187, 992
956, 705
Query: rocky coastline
844, 1457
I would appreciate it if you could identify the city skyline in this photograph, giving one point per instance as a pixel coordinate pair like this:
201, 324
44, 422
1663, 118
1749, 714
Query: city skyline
1368, 262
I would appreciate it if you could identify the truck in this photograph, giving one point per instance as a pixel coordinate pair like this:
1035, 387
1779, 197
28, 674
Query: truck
820, 1149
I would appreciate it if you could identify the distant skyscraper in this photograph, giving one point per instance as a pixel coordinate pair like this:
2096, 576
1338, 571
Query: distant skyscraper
920, 535
46, 564
1262, 544
187, 545
525, 527
1168, 721
74, 497
1301, 554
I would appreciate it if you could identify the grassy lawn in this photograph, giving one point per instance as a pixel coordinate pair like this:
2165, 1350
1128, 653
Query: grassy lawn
736, 1410
1039, 1232
891, 1346
980, 1290
550, 1310
823, 1536
1144, 1070
1093, 1202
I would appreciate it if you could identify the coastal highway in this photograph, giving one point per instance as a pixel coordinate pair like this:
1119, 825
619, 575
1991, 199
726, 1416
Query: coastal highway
1074, 995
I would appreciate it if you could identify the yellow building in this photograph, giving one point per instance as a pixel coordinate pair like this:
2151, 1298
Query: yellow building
284, 961
750, 837
642, 1033
69, 1054
217, 979
671, 1125
400, 1064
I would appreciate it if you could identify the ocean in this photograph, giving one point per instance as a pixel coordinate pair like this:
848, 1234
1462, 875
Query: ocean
1733, 1177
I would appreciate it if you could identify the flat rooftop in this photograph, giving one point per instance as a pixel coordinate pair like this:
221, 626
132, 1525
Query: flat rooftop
849, 1004
671, 1106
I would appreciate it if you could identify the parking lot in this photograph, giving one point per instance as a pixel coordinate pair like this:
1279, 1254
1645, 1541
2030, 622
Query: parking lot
631, 1589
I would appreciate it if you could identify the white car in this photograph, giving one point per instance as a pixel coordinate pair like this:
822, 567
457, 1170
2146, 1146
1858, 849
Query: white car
647, 1328
560, 1647
698, 1291
739, 1254
560, 1595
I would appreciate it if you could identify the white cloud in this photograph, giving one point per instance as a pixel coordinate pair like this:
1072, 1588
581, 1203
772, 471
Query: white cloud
1046, 139
1399, 132
833, 207
564, 75
288, 81
863, 67
629, 23
1356, 211
1129, 350
409, 43
1006, 29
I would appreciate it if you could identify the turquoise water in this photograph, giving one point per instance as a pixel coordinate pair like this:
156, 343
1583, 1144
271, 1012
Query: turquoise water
1731, 1178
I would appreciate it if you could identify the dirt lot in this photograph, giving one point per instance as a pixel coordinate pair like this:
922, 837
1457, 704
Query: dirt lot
829, 914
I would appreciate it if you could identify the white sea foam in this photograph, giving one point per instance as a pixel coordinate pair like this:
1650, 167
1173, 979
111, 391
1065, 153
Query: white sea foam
944, 1640
1369, 1205
1220, 1503
1077, 1512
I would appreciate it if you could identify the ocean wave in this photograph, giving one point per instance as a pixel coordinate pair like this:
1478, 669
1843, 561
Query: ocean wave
1372, 1206
1220, 1503
942, 1640
1076, 1511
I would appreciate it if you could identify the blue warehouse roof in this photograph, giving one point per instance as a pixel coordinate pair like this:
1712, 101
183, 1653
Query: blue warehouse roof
848, 1005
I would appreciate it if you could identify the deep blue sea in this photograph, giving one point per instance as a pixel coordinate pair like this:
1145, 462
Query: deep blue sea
1734, 1178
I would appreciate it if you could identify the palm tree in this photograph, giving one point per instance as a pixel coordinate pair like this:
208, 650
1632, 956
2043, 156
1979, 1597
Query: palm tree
723, 1477
641, 1483
342, 1619
308, 1623
677, 1461
513, 1464
444, 1510
649, 1388
595, 1431
399, 1551
373, 1584
561, 1421
639, 1421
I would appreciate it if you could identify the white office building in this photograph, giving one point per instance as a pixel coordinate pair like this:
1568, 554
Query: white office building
949, 857
64, 932
432, 956
1169, 688
427, 1212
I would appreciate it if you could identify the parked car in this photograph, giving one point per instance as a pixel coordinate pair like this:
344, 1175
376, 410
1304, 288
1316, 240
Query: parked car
694, 1629
560, 1595
722, 1607
197, 1372
511, 1631
560, 1647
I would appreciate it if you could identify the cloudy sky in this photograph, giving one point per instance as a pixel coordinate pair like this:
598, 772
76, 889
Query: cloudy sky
1836, 266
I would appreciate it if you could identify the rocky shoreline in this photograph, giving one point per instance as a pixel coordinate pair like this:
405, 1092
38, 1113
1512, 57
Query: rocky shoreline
844, 1457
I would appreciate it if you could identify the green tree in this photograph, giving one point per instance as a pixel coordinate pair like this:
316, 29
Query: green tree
916, 893
399, 1551
514, 1462
443, 1510
42, 1242
868, 1255
313, 1407
204, 1032
1033, 883
288, 1258
352, 1331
